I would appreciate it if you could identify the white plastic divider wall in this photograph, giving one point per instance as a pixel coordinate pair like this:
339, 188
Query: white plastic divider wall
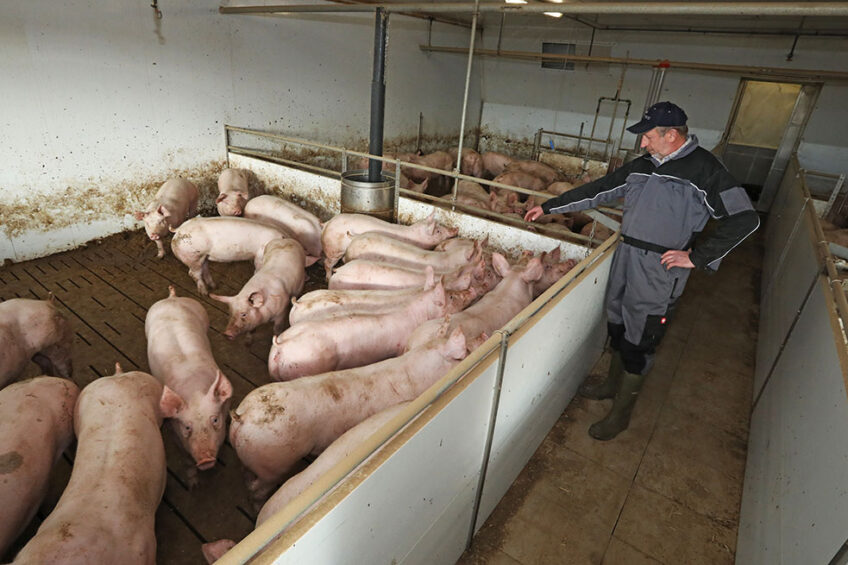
791, 266
414, 500
794, 501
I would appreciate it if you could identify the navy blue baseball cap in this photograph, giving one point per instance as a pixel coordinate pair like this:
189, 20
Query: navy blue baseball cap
661, 114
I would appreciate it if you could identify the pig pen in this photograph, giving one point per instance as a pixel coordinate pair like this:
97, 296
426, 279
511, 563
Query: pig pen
428, 488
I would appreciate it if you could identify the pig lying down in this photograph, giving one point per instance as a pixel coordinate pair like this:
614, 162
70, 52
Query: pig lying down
106, 513
37, 423
34, 329
201, 240
266, 296
340, 230
180, 356
279, 423
174, 203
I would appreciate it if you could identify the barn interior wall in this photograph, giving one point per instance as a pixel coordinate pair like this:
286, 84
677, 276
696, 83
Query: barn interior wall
520, 97
102, 102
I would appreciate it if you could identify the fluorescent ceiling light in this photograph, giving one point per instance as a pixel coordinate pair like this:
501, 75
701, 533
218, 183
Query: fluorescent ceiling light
516, 1
554, 14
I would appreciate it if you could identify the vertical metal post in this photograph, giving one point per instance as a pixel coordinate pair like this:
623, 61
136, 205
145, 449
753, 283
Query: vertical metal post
418, 139
378, 96
654, 91
465, 101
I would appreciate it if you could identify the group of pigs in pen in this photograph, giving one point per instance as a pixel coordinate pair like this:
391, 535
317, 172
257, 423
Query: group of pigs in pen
499, 168
408, 304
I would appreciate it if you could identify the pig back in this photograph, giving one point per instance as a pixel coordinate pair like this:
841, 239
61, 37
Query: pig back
36, 417
106, 514
305, 227
222, 239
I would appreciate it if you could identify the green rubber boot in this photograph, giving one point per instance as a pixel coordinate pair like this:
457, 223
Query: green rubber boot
619, 416
609, 386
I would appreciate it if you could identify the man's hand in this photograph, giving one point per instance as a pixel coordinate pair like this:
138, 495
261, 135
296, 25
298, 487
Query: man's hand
533, 214
674, 258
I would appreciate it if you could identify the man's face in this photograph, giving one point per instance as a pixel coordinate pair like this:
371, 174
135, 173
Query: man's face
660, 145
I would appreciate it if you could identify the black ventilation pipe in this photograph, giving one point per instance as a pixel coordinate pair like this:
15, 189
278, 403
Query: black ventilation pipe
378, 96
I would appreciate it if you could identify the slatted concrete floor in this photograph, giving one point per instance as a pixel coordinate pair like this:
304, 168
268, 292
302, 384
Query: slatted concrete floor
668, 490
105, 290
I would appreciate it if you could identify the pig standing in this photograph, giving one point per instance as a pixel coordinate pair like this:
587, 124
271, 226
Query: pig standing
106, 513
174, 203
305, 227
494, 310
279, 423
233, 192
472, 162
338, 450
265, 297
180, 357
535, 168
37, 419
341, 229
201, 240
337, 343
375, 246
34, 329
494, 163
377, 275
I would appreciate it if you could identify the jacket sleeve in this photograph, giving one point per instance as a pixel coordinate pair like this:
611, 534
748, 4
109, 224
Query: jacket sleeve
729, 204
592, 194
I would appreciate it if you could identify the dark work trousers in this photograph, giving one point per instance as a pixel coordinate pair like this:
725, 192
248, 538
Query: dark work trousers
641, 295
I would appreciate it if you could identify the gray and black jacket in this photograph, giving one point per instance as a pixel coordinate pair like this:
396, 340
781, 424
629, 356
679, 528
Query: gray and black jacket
667, 205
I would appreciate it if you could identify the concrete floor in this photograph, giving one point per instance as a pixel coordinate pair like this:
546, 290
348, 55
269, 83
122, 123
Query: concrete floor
668, 489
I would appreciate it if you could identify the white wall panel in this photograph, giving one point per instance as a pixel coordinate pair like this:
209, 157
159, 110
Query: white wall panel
795, 504
782, 300
544, 366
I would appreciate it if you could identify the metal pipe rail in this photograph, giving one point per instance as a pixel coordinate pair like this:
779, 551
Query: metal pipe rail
540, 228
812, 9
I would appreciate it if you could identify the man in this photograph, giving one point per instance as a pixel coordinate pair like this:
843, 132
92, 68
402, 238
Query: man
669, 194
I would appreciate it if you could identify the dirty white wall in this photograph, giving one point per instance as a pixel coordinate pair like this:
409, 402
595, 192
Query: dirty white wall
519, 97
102, 103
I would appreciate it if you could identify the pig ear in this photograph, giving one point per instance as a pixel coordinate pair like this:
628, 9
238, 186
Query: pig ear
118, 368
423, 185
533, 271
164, 211
220, 198
429, 277
456, 346
170, 403
554, 255
172, 292
221, 388
219, 298
138, 215
256, 299
501, 265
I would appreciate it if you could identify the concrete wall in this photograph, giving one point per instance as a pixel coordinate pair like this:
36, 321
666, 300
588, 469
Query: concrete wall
520, 97
102, 103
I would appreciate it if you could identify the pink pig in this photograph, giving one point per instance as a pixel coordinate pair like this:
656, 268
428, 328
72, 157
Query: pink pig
106, 514
174, 203
201, 240
494, 163
305, 226
37, 330
37, 419
180, 356
340, 230
265, 297
279, 423
375, 246
354, 340
233, 192
535, 168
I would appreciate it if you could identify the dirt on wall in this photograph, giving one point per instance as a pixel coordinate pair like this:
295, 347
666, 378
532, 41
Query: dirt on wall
89, 202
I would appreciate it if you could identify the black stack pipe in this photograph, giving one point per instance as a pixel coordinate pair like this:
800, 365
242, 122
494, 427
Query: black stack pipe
378, 97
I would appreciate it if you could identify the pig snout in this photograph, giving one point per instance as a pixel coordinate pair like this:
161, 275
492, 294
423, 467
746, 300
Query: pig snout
206, 463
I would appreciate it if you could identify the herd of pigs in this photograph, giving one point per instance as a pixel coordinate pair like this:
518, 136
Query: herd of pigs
502, 169
408, 304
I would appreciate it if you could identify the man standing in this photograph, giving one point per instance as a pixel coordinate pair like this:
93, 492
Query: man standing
669, 194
